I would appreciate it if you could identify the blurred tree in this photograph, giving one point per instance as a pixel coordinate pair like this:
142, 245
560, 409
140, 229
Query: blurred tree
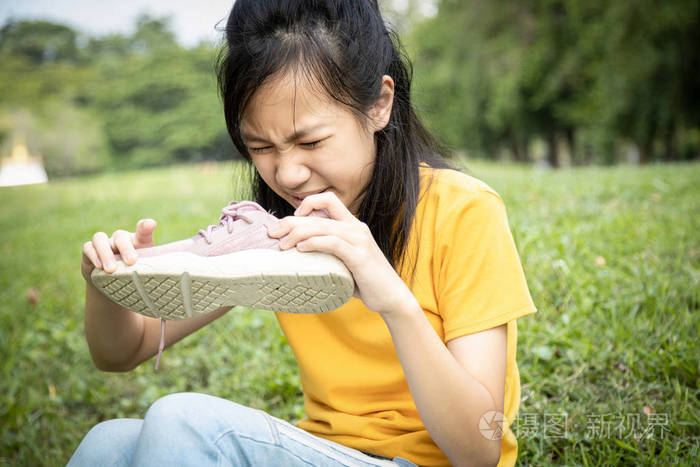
583, 80
645, 87
404, 14
140, 100
587, 76
39, 41
158, 101
42, 73
153, 35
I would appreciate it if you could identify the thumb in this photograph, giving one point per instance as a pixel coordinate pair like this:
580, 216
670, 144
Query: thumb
143, 236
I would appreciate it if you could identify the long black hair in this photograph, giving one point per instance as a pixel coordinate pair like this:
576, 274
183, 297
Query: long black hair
344, 47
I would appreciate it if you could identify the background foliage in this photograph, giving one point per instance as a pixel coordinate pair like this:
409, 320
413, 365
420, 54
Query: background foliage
551, 81
113, 102
592, 81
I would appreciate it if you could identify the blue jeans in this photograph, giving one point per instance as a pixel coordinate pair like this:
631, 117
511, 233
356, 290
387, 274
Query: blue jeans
201, 430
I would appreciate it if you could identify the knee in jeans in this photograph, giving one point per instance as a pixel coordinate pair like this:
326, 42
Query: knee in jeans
173, 407
182, 409
106, 442
104, 432
201, 412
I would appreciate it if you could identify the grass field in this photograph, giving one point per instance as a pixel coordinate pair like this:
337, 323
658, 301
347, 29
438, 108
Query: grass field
609, 365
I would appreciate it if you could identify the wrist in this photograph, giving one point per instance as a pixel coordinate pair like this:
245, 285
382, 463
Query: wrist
405, 307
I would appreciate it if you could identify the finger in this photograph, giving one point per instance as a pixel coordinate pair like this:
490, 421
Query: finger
143, 237
124, 242
104, 251
284, 226
287, 224
90, 255
328, 201
277, 230
319, 213
329, 244
306, 227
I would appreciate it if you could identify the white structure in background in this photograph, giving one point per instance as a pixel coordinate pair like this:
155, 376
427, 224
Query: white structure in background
21, 168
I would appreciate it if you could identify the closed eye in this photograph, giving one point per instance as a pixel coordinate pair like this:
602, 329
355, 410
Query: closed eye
311, 144
258, 150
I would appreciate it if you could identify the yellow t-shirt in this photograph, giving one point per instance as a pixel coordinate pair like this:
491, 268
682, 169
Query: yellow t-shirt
468, 278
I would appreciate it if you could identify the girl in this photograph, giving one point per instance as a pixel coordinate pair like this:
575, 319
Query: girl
419, 368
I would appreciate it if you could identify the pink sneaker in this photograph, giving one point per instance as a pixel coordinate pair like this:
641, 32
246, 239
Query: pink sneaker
233, 263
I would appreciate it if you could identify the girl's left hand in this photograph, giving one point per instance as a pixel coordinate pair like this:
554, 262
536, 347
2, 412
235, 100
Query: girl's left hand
376, 283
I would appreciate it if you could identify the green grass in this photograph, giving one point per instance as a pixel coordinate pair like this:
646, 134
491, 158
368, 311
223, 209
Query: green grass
611, 256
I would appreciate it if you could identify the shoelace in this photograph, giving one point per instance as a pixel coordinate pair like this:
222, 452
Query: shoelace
161, 345
229, 214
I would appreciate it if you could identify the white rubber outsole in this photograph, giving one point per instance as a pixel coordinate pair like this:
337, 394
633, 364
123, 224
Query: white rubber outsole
181, 285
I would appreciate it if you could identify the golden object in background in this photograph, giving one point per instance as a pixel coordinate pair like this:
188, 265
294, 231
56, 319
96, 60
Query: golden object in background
21, 168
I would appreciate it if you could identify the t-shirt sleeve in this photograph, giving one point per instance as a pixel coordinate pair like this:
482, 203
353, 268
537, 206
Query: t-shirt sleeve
481, 280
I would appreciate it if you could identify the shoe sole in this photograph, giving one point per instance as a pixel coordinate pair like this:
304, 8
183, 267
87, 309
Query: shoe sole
181, 285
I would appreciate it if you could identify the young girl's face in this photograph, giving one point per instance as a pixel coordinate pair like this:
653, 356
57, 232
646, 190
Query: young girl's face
302, 142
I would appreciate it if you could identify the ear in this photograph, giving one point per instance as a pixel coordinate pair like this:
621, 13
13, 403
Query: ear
381, 109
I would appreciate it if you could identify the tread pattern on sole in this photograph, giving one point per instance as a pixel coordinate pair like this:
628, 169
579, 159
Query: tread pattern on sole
180, 296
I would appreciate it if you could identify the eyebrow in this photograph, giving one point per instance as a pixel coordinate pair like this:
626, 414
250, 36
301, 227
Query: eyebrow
251, 138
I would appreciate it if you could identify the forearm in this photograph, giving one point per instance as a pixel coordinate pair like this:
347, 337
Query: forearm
120, 340
449, 400
113, 333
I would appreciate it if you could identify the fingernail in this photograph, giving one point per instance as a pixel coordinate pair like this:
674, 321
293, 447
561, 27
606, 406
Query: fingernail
109, 265
274, 230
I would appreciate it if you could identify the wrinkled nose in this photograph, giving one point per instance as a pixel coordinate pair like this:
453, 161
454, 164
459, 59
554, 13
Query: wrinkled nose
292, 172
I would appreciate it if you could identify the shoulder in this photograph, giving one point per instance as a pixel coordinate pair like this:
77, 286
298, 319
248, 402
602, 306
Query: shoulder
446, 193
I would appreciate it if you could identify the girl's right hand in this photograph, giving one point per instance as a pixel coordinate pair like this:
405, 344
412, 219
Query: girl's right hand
99, 253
